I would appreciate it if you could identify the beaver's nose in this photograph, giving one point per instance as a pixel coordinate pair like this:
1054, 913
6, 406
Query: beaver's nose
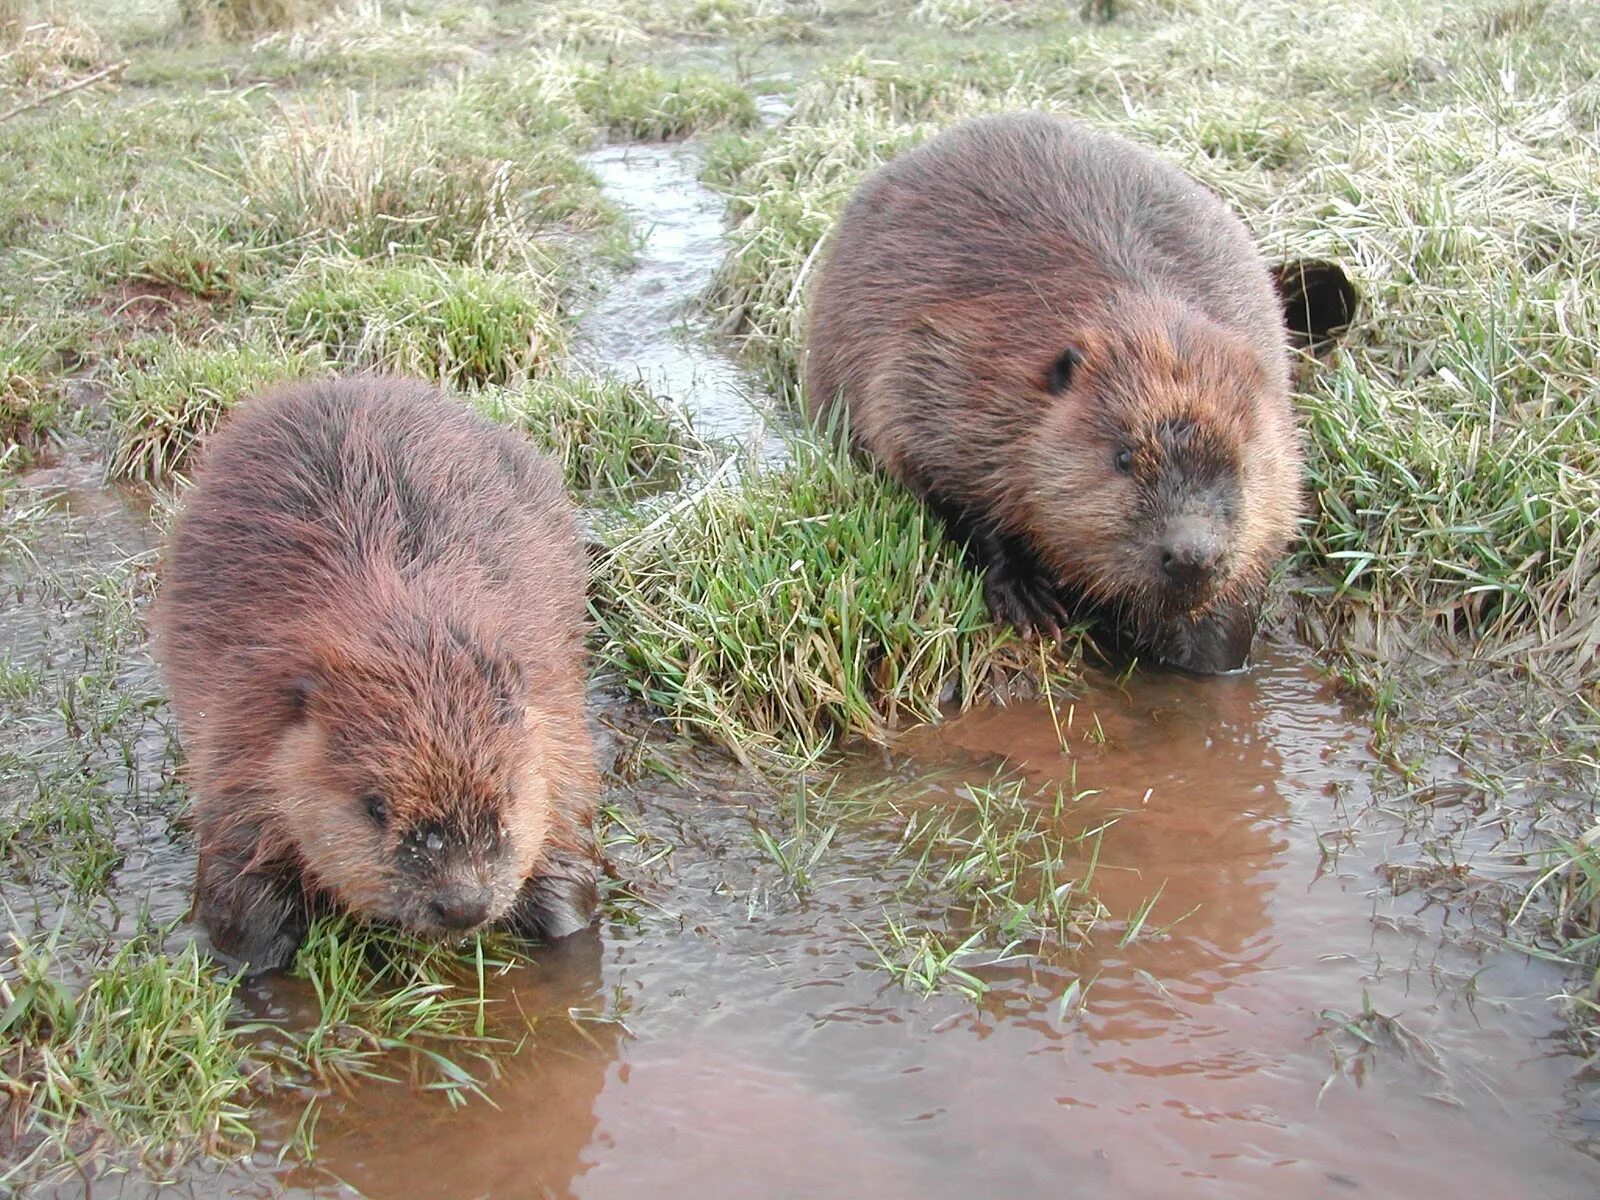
461, 906
1190, 553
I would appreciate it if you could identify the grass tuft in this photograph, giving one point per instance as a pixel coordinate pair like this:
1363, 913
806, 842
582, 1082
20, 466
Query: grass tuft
162, 405
615, 439
30, 406
425, 182
44, 50
231, 20
645, 105
456, 325
785, 611
143, 1052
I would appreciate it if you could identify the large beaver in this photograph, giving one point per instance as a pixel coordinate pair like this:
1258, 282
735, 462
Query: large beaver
1075, 355
371, 622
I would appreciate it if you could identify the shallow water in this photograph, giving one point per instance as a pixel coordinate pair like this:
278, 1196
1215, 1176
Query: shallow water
62, 615
750, 1046
646, 324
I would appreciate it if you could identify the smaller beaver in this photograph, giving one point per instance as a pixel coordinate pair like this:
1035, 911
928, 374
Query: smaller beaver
371, 621
1075, 355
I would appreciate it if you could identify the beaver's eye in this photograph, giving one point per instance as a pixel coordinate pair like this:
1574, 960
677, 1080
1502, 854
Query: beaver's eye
377, 808
1124, 460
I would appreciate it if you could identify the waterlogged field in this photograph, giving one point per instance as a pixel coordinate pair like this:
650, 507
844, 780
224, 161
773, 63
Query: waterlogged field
897, 903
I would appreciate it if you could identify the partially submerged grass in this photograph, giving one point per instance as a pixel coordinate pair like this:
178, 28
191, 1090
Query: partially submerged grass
989, 875
783, 612
386, 1002
1565, 905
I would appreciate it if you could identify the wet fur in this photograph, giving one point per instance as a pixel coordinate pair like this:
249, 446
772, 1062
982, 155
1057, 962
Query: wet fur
958, 276
372, 589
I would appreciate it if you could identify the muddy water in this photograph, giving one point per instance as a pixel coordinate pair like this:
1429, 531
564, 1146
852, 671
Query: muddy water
742, 1041
646, 324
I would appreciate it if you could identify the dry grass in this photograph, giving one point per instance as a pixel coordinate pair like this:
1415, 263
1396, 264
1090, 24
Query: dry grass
234, 19
44, 49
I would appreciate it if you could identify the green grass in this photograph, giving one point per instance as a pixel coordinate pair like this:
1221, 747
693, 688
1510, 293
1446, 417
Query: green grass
614, 439
391, 1005
643, 104
152, 1050
142, 1052
163, 404
1563, 911
458, 326
783, 612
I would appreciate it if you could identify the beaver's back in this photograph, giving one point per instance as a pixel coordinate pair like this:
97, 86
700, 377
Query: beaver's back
307, 494
1038, 217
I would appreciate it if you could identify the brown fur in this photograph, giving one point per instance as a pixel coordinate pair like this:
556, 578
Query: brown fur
371, 621
956, 279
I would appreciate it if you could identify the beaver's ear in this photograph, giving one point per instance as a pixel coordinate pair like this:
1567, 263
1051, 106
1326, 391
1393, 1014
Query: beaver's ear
299, 693
1059, 377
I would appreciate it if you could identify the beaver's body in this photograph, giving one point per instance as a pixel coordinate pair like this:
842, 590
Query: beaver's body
1074, 353
371, 622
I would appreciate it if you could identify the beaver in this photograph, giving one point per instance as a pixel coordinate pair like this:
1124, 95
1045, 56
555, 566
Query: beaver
1075, 355
370, 618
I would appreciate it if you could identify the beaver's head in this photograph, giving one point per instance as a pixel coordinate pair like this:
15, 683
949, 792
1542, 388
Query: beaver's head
1165, 482
409, 776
